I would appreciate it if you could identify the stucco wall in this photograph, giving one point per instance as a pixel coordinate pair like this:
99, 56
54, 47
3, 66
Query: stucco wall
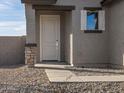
116, 33
91, 48
30, 24
88, 49
12, 50
68, 33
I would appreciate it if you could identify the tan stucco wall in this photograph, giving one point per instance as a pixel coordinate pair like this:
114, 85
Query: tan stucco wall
116, 33
12, 50
90, 48
68, 32
30, 24
87, 48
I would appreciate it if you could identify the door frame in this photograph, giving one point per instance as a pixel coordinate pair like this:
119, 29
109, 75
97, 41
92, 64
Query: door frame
58, 34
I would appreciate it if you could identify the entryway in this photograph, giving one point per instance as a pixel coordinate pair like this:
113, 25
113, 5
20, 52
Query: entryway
54, 37
50, 38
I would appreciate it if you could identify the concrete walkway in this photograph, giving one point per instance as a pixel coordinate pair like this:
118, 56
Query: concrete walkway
67, 76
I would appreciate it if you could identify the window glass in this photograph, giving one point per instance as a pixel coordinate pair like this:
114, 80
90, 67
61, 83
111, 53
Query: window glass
92, 20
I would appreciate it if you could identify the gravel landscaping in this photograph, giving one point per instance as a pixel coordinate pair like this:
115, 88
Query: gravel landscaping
97, 72
94, 73
89, 87
20, 79
22, 75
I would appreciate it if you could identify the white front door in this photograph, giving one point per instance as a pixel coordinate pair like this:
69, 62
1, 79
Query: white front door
50, 37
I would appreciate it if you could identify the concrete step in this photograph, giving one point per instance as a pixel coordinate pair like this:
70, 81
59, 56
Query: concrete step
53, 66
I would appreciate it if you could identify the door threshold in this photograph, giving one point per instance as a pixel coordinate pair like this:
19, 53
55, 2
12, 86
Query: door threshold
54, 62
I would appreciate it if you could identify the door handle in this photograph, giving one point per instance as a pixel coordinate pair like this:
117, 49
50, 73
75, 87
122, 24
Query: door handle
57, 43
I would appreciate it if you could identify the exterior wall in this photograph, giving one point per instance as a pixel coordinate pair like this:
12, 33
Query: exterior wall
68, 33
88, 49
116, 33
30, 24
12, 50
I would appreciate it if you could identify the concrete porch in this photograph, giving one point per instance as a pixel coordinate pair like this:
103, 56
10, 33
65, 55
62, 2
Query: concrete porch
53, 65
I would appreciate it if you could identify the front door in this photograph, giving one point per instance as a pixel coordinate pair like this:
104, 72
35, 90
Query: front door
50, 37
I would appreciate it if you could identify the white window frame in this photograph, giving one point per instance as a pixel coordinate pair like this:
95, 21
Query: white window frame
101, 20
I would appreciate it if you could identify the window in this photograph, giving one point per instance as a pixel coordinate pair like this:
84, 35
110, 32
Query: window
92, 20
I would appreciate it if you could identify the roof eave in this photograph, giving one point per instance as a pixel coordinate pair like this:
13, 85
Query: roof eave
39, 2
106, 2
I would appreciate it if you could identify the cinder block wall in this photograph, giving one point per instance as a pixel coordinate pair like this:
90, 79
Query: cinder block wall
12, 50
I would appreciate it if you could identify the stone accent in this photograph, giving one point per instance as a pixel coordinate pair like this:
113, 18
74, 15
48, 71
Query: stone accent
30, 55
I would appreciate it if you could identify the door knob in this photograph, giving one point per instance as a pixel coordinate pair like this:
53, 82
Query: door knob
57, 44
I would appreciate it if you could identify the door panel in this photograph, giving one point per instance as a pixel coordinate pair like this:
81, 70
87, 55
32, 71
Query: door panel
50, 37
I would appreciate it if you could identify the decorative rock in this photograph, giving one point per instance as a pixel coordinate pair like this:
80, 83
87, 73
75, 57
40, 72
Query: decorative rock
34, 80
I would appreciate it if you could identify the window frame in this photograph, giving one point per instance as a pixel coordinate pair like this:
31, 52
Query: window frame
93, 9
